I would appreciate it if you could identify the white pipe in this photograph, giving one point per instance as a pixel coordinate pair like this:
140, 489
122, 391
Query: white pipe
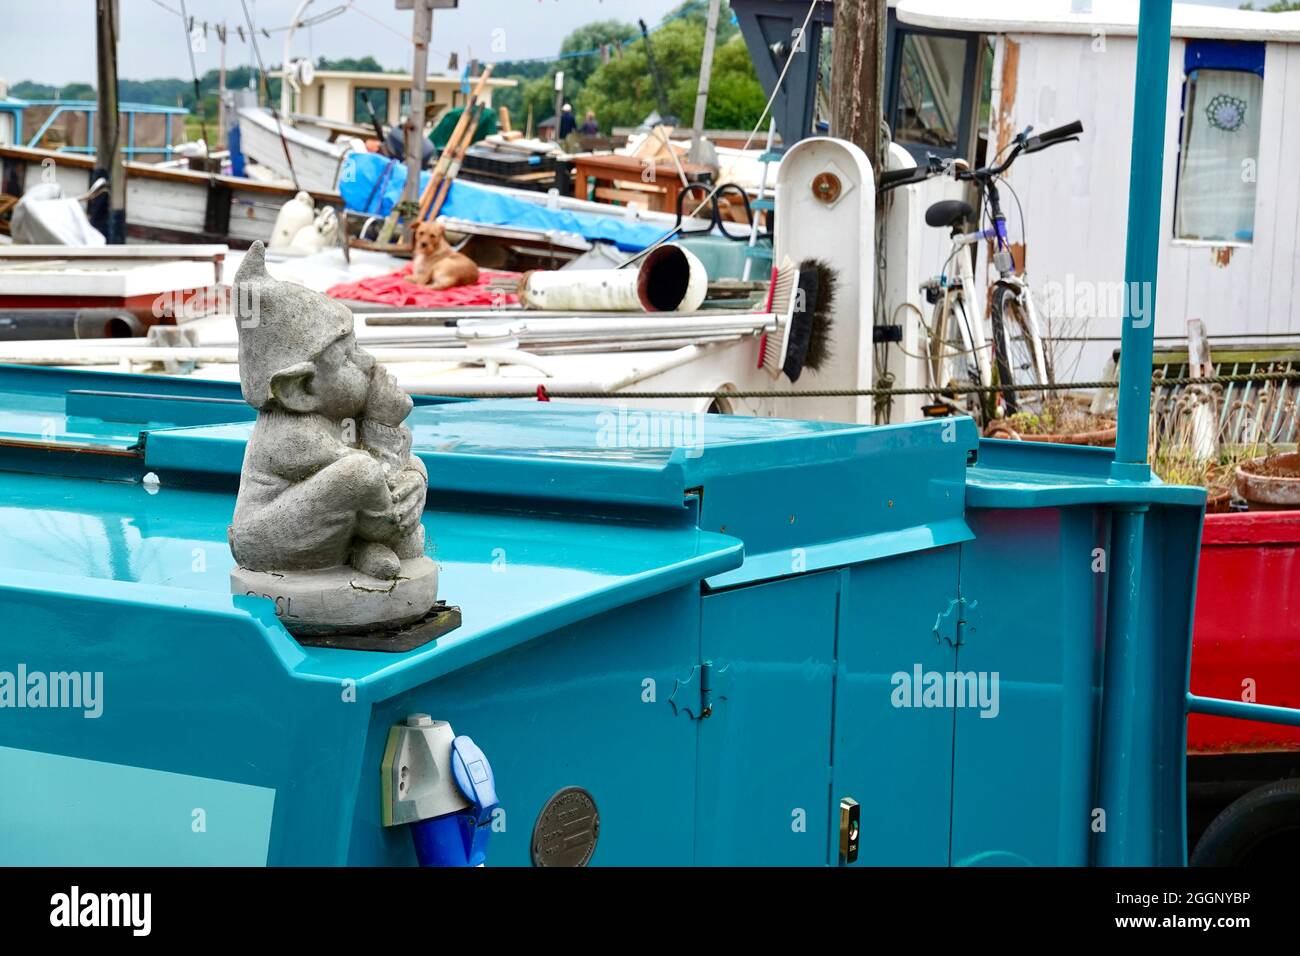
668, 279
218, 355
675, 359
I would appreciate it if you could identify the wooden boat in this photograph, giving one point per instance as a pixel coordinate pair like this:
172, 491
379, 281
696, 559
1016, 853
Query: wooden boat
165, 205
316, 161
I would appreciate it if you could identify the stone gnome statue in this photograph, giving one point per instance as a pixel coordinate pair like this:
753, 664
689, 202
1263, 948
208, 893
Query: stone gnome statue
327, 523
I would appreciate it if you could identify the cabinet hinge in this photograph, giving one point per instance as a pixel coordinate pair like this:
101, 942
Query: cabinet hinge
958, 622
705, 687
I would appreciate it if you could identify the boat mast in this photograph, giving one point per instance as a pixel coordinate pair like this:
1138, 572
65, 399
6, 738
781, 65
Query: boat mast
706, 72
423, 30
221, 89
108, 210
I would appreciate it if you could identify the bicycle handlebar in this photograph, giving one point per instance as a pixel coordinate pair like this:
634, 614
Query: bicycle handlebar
903, 177
1061, 134
1023, 143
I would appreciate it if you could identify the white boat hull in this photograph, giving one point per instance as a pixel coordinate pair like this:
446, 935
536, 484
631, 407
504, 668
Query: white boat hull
167, 204
316, 162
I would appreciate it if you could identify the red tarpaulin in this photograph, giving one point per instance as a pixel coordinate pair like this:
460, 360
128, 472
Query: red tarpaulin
396, 289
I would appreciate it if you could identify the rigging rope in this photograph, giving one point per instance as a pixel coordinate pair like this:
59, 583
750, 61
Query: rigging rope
1156, 381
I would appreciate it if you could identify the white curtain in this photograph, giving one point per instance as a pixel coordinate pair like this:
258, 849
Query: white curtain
1216, 178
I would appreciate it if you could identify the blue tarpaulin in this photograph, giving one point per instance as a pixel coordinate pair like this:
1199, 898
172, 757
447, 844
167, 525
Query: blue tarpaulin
371, 184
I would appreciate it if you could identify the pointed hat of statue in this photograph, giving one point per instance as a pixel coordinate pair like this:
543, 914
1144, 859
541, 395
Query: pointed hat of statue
280, 324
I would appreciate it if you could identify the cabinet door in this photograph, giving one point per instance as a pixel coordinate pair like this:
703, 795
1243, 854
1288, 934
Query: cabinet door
764, 751
892, 749
1023, 768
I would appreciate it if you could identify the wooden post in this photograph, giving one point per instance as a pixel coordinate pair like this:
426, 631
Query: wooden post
108, 211
858, 76
221, 88
706, 72
415, 115
1200, 364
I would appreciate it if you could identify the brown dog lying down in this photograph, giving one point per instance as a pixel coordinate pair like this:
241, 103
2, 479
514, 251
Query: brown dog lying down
436, 264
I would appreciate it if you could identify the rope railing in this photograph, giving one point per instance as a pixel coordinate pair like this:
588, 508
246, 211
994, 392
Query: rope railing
1157, 381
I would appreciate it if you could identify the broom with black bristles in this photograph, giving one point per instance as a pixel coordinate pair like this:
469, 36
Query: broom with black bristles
804, 298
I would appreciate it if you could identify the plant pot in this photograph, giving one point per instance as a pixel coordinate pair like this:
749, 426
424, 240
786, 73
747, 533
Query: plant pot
1218, 503
1271, 483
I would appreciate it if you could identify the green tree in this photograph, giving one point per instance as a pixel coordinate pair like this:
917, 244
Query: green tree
537, 78
366, 64
622, 92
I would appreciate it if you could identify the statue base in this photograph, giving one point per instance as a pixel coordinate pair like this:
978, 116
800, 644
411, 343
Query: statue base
342, 600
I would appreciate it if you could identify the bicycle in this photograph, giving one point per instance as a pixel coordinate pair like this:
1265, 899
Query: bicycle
956, 331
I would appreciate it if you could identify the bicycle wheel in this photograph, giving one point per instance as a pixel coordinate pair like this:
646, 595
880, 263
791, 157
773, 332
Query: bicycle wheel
953, 360
1016, 350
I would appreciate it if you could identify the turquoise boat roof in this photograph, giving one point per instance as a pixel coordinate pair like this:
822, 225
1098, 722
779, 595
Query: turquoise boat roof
125, 485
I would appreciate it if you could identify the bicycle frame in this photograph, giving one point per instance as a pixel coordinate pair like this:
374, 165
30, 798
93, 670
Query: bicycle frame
963, 293
971, 330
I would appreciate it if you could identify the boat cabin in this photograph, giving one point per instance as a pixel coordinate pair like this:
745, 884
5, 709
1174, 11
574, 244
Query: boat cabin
337, 94
1231, 203
148, 131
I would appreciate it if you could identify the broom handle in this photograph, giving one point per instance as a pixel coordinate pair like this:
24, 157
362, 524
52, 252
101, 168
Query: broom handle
444, 187
461, 125
440, 167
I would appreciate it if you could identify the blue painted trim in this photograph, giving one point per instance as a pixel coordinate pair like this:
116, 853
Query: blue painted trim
1244, 55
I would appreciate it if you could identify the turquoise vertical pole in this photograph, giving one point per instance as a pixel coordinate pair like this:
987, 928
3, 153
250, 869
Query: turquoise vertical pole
1129, 714
1142, 256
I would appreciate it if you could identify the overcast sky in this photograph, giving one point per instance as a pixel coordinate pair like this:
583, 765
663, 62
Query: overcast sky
53, 41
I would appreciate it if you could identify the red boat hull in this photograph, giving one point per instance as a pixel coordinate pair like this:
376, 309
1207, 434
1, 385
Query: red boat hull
1246, 637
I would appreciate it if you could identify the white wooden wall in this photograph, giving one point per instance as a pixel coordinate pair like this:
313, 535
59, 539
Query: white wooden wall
1075, 196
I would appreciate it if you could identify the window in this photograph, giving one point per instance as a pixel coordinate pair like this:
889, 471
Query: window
930, 78
378, 97
1219, 147
404, 102
932, 89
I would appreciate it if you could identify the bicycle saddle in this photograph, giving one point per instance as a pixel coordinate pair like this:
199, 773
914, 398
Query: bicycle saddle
947, 212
